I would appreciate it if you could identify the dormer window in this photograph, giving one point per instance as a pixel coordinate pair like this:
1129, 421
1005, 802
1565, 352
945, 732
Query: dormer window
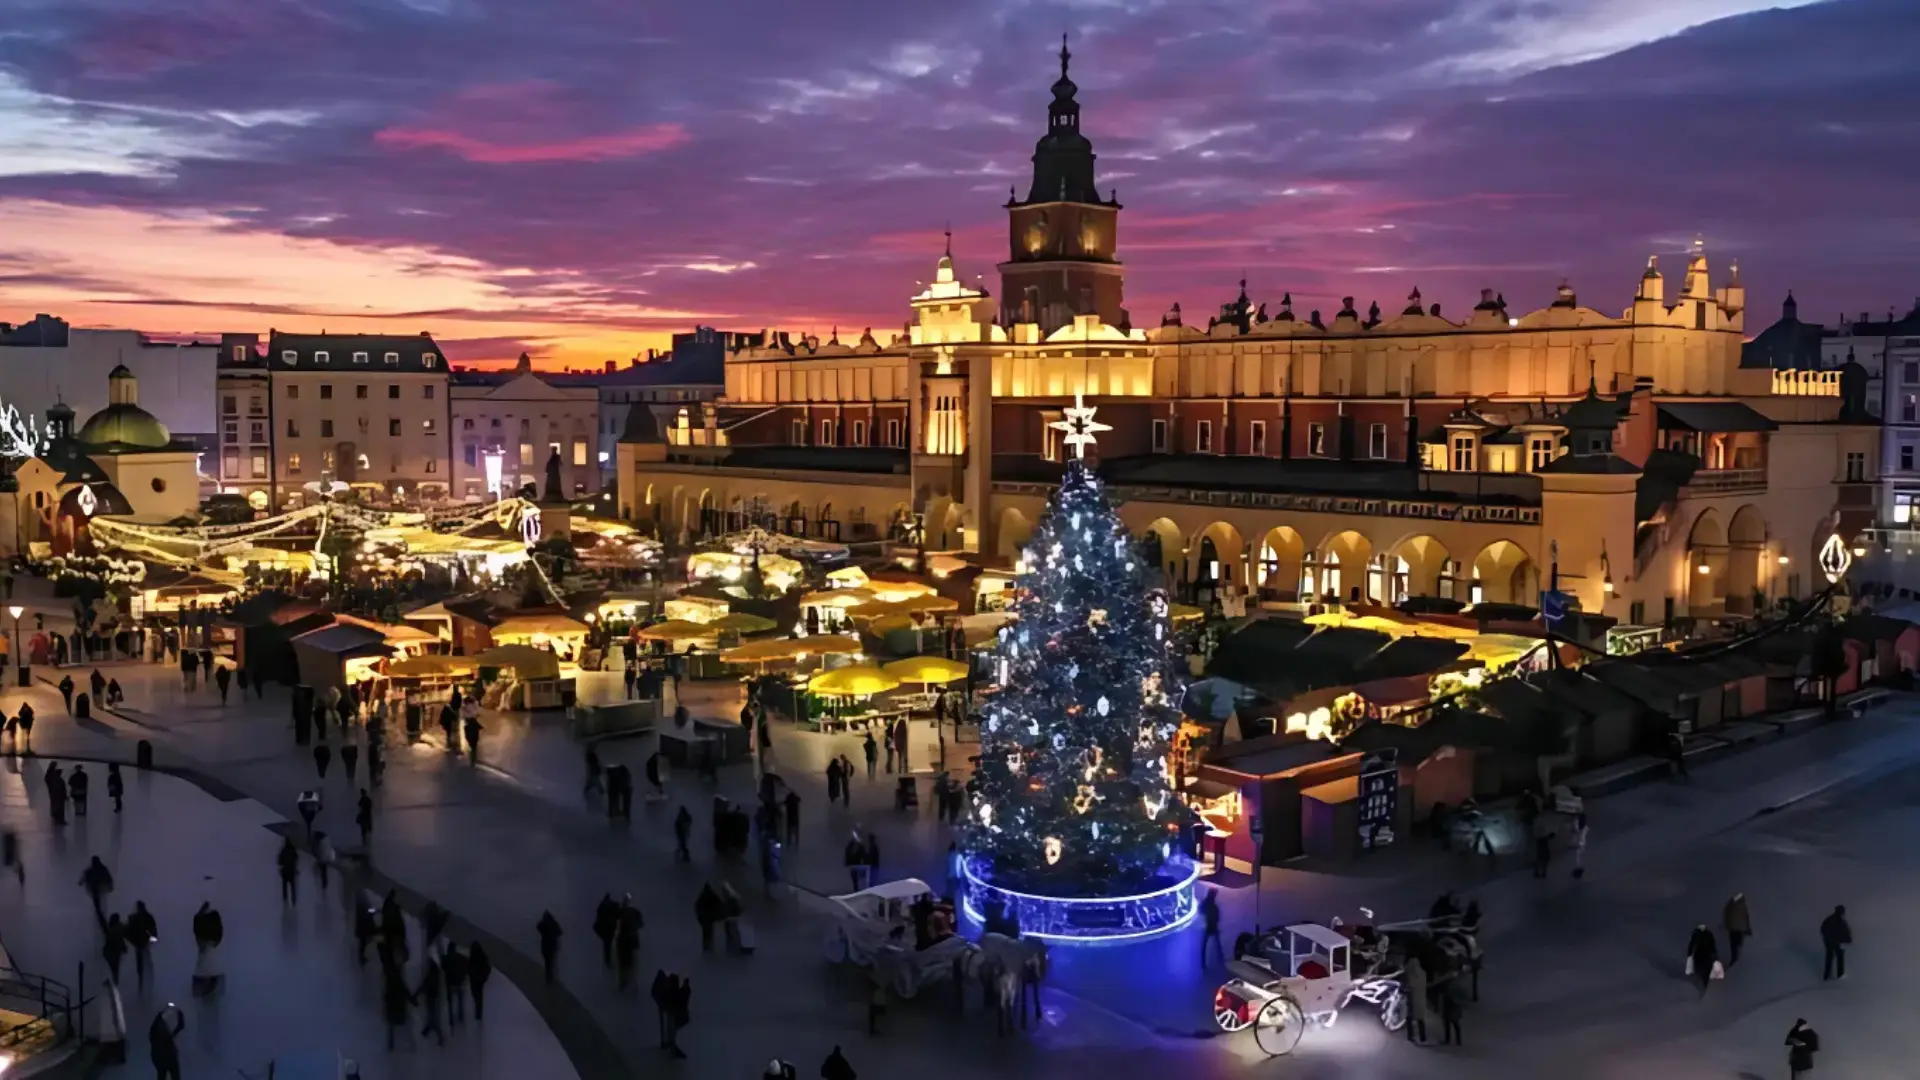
288, 356
392, 358
359, 358
427, 359
1539, 452
319, 357
1462, 454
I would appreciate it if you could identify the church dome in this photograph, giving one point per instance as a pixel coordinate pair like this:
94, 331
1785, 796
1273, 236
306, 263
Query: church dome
123, 425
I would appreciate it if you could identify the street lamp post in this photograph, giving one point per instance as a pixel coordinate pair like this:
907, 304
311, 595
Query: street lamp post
20, 657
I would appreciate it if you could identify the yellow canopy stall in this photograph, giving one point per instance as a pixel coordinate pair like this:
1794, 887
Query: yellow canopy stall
756, 652
847, 577
676, 630
417, 667
926, 670
526, 661
741, 622
857, 680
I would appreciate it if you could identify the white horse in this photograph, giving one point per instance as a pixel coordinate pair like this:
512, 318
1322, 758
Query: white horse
1023, 959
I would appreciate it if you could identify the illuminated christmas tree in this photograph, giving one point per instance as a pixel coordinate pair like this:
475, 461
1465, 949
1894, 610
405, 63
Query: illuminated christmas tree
1074, 796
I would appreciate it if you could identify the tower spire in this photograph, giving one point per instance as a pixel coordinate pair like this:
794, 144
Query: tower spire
1065, 56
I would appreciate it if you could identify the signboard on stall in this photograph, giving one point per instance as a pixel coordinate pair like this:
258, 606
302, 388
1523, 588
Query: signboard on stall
1379, 798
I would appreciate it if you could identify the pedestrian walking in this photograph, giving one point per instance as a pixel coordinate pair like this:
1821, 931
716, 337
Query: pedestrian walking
1677, 755
872, 750
66, 692
25, 720
162, 1042
323, 855
99, 684
142, 931
662, 994
846, 780
836, 1067
1414, 988
450, 716
289, 860
116, 787
1210, 927
472, 727
77, 786
393, 927
365, 929
1835, 936
1802, 1043
453, 965
835, 778
222, 678
1542, 845
626, 946
1453, 1003
549, 930
209, 931
396, 1002
855, 858
606, 922
682, 833
708, 910
889, 748
427, 995
115, 695
479, 970
873, 857
363, 817
308, 804
349, 758
113, 945
98, 881
1579, 845
1702, 954
322, 757
594, 769
1738, 925
680, 1015
791, 809
56, 781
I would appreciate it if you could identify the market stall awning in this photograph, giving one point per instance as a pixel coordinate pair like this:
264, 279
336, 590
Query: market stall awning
549, 624
754, 652
525, 660
840, 598
857, 680
741, 622
345, 641
676, 630
926, 669
421, 666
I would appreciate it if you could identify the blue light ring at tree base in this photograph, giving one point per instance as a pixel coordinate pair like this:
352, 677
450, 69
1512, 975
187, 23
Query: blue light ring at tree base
1090, 920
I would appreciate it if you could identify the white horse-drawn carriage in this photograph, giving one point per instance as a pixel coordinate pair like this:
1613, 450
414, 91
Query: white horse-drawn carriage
1300, 975
874, 928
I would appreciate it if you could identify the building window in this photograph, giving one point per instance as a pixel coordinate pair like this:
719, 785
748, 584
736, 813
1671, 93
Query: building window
427, 360
859, 433
799, 436
393, 391
1257, 438
230, 405
239, 354
256, 431
392, 358
1462, 453
393, 426
826, 433
255, 407
293, 429
472, 455
1377, 442
429, 391
1539, 454
289, 357
326, 391
230, 463
230, 433
1906, 457
1203, 437
466, 424
1904, 503
579, 451
1317, 440
326, 429
1909, 408
362, 421
259, 464
326, 461
1910, 372
293, 464
1159, 436
893, 433
433, 465
319, 357
360, 391
359, 358
1856, 466
293, 391
427, 425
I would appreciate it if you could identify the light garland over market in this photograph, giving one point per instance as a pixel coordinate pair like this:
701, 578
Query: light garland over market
1076, 833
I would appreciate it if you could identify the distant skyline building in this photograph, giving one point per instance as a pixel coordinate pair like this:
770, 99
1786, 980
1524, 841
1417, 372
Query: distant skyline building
45, 360
693, 370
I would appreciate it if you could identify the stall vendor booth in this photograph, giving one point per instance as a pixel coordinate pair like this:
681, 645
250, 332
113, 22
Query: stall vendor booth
1269, 773
529, 678
563, 634
339, 654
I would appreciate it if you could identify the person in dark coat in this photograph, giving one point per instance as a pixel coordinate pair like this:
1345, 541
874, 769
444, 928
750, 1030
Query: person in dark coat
363, 817
77, 785
223, 678
1210, 926
25, 718
453, 965
142, 931
427, 995
98, 881
479, 970
99, 684
662, 994
322, 757
1802, 1043
114, 944
1702, 952
396, 1002
594, 769
289, 860
162, 1045
366, 927
1738, 925
708, 910
626, 944
682, 835
57, 793
66, 692
606, 923
836, 1067
349, 758
1413, 984
681, 1014
1835, 936
1453, 1003
872, 750
116, 787
790, 809
449, 717
549, 930
834, 780
393, 925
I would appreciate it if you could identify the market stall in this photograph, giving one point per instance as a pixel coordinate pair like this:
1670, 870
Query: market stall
531, 678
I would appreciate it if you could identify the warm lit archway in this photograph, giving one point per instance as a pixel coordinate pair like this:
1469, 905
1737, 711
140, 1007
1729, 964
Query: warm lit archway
1215, 555
1015, 530
1503, 573
1276, 566
1166, 547
1706, 566
1339, 570
1422, 561
1746, 547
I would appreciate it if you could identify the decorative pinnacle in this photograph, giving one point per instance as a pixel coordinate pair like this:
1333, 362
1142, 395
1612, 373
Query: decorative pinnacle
1065, 56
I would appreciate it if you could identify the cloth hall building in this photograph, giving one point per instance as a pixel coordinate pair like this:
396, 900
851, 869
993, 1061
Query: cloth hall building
1365, 456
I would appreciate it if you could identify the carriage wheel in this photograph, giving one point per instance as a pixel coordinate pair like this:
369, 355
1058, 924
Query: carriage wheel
1230, 1018
836, 946
1393, 1015
1279, 1026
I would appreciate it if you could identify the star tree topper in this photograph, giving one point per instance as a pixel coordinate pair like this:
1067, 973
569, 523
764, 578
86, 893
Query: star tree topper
1080, 426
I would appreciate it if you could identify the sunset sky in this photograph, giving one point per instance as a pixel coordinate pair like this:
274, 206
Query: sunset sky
578, 178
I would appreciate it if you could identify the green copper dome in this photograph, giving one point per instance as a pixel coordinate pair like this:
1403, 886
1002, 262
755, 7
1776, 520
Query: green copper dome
124, 425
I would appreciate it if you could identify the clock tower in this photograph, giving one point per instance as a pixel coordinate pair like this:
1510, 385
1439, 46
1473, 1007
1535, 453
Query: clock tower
1062, 237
